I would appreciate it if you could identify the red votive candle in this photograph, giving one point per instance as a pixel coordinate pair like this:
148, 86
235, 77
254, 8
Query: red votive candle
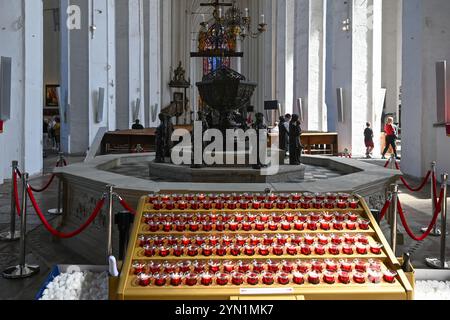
339, 216
344, 277
291, 250
287, 266
178, 251
207, 226
268, 278
273, 226
344, 196
328, 216
167, 226
252, 278
349, 239
329, 204
153, 226
325, 225
226, 240
191, 279
231, 205
336, 239
313, 277
276, 218
331, 265
194, 226
304, 204
185, 266
251, 217
352, 217
299, 226
316, 204
268, 205
259, 226
149, 251
361, 248
296, 197
206, 205
331, 196
246, 226
292, 204
283, 278
389, 276
219, 205
322, 239
374, 265
333, 250
144, 280
272, 197
286, 226
363, 224
374, 276
199, 266
317, 265
302, 266
235, 250
258, 266
256, 205
308, 239
176, 279
180, 226
185, 241
237, 278
172, 240
319, 196
222, 279
329, 277
312, 225
194, 205
347, 249
170, 205
360, 265
213, 197
248, 196
192, 251
233, 226
296, 239
298, 278
164, 198
142, 241
362, 239
263, 217
240, 240
350, 225
319, 249
206, 279
249, 250
154, 267
305, 249
220, 226
353, 204
254, 240
359, 277
236, 197
308, 196
281, 239
228, 266
278, 250
213, 240
281, 205
160, 279
338, 225
268, 239
164, 251
376, 248
139, 267
273, 266
214, 266
341, 204
157, 205
201, 197
225, 197
345, 265
207, 250
315, 217
239, 217
152, 197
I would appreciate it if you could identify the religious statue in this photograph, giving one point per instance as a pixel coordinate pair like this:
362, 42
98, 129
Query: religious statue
163, 138
259, 124
180, 74
295, 146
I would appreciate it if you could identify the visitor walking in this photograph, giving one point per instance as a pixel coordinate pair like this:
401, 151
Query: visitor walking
368, 140
45, 137
391, 137
57, 130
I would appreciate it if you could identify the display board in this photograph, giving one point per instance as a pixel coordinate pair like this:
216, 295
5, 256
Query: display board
314, 246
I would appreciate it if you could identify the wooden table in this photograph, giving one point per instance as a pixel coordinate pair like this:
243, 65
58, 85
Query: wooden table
315, 142
126, 141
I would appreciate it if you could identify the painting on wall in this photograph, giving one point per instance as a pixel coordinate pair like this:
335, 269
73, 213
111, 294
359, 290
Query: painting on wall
51, 95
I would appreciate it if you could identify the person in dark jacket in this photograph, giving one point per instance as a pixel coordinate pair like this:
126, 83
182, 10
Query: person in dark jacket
137, 126
295, 146
283, 134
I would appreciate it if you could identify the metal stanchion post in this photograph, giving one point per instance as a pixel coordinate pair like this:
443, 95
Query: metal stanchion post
110, 220
393, 160
442, 263
58, 211
436, 232
394, 190
12, 234
22, 270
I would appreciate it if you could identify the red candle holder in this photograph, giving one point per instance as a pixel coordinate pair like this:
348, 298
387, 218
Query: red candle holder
258, 266
308, 196
221, 250
360, 265
329, 204
149, 251
164, 251
189, 197
374, 276
292, 204
291, 250
268, 239
320, 196
142, 241
336, 239
178, 251
305, 204
185, 241
251, 217
333, 250
233, 226
298, 278
331, 265
152, 197
376, 248
238, 217
322, 239
312, 225
139, 267
201, 197
353, 204
256, 205
314, 217
200, 240
320, 249
212, 197
260, 226
227, 240
346, 265
249, 250
281, 239
147, 217
254, 240
296, 197
309, 239
374, 265
331, 196
352, 217
329, 277
237, 278
222, 279
180, 226
299, 226
158, 205
219, 205
207, 226
194, 226
192, 251
191, 279
317, 266
325, 225
283, 278
225, 197
214, 266
363, 239
313, 278
263, 217
206, 279
263, 250
347, 249
236, 197
389, 276
246, 226
268, 278
154, 267
344, 277
235, 250
278, 250
287, 266
276, 217
164, 198
281, 205
173, 240
248, 197
273, 266
273, 226
213, 240
241, 240
339, 216
199, 267
213, 217
359, 277
170, 205
328, 216
176, 279
344, 196
316, 204
305, 249
194, 205
153, 226
243, 266
268, 205
350, 225
231, 205
184, 266
349, 239
364, 224
252, 278
285, 226
341, 204
361, 248
296, 239
144, 280
207, 250
302, 266
220, 226
167, 226
207, 205
228, 266
160, 280
338, 225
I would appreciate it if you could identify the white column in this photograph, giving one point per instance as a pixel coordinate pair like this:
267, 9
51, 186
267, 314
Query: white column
166, 55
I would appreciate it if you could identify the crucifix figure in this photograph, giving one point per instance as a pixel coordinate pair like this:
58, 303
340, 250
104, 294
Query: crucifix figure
217, 5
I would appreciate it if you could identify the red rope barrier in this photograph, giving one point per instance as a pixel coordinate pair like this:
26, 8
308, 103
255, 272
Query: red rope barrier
45, 187
425, 181
385, 209
59, 234
433, 222
16, 193
396, 165
127, 207
387, 163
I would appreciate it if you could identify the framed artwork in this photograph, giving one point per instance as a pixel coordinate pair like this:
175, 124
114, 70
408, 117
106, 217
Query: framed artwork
178, 97
51, 95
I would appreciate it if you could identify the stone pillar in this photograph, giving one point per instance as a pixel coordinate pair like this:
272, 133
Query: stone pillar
309, 69
21, 25
423, 138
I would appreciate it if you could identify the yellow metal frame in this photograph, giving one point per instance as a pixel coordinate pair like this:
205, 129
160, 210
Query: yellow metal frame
128, 289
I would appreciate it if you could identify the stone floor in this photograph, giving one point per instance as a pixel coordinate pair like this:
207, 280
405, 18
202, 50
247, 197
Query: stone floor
42, 249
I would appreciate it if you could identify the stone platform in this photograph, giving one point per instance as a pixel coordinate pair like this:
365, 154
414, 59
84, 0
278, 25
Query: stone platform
171, 172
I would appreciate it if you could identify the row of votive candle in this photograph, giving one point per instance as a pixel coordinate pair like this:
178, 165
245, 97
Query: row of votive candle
207, 250
254, 240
